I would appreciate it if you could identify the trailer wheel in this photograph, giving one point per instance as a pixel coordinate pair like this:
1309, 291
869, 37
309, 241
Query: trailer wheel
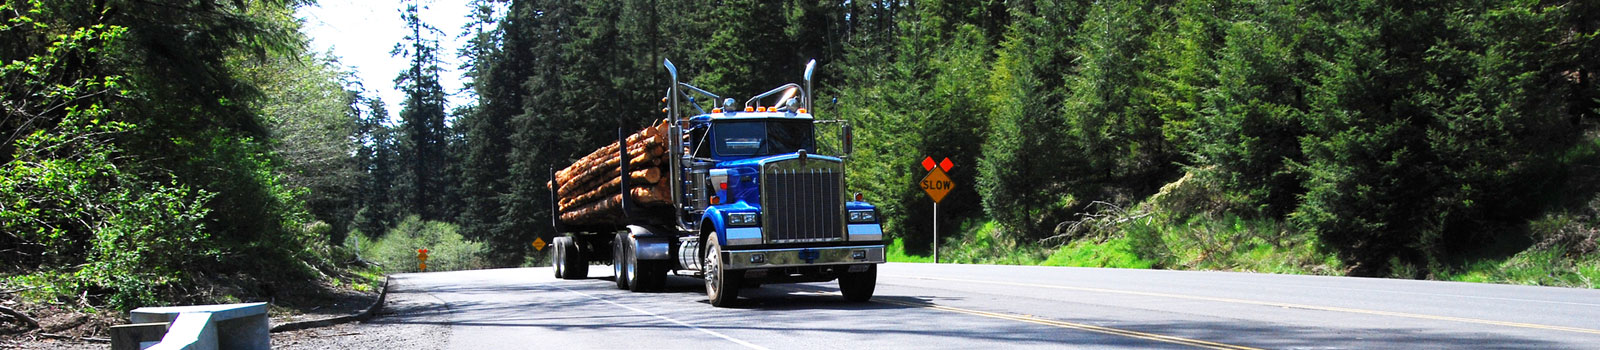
574, 267
722, 287
857, 287
620, 261
558, 246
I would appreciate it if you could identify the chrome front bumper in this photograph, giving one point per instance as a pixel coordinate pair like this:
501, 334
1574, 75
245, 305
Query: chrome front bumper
770, 258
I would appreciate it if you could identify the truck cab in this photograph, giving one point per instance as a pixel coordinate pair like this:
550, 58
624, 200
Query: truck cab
779, 212
746, 198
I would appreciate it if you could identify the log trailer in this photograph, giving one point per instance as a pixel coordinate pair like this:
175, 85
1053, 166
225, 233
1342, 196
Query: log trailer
736, 196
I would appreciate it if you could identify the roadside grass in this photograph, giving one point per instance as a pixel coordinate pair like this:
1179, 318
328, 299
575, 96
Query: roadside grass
1233, 243
1564, 254
1115, 253
986, 243
896, 252
1159, 241
1546, 267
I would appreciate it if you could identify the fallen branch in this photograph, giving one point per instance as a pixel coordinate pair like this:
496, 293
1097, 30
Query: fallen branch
19, 290
32, 323
68, 337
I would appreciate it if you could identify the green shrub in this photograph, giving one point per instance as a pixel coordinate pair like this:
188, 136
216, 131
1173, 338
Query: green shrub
396, 251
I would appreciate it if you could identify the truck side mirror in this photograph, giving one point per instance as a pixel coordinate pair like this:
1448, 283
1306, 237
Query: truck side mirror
849, 136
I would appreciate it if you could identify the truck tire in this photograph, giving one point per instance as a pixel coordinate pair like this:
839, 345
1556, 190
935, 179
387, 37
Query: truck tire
638, 271
857, 287
621, 258
573, 266
722, 287
557, 247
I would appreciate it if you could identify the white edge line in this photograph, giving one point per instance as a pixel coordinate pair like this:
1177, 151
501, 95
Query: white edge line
669, 319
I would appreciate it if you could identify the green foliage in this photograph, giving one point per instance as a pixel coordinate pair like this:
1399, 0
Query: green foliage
127, 237
138, 161
1117, 253
896, 251
396, 250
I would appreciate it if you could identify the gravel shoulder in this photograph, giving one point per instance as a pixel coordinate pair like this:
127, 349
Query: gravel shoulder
410, 319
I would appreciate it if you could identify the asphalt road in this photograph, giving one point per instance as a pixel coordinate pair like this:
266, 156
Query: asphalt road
979, 306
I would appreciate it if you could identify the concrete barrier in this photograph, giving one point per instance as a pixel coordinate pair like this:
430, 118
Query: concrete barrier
208, 327
137, 336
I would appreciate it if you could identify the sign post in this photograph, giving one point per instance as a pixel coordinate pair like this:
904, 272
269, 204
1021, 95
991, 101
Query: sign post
937, 185
422, 259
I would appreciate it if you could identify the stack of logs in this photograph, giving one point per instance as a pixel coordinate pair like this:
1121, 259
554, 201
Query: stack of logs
590, 189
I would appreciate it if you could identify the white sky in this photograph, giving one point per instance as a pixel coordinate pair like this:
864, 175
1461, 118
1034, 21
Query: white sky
361, 34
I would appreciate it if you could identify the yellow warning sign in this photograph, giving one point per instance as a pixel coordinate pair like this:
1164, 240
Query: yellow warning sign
937, 184
538, 244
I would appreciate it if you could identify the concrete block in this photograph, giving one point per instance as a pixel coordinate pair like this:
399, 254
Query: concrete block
207, 327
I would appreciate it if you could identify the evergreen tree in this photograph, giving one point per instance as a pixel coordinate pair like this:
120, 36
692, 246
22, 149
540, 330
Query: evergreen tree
378, 156
1109, 112
425, 140
1025, 171
485, 169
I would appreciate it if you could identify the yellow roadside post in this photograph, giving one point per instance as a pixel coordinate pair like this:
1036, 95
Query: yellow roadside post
422, 259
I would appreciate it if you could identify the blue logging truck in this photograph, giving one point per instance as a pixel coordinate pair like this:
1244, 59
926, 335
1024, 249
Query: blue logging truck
737, 196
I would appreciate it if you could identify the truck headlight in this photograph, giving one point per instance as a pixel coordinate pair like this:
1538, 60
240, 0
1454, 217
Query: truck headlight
863, 216
742, 219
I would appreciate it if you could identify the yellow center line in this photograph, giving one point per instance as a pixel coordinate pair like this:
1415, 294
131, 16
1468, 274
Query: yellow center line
1270, 303
1064, 324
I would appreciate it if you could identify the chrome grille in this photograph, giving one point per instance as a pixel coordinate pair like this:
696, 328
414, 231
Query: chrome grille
803, 202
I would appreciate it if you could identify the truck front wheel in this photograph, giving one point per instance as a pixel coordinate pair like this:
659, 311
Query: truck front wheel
857, 287
722, 286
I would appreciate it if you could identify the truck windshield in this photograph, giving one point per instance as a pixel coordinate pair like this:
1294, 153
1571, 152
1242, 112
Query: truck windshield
763, 137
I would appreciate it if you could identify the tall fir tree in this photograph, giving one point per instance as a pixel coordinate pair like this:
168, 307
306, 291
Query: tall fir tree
425, 142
